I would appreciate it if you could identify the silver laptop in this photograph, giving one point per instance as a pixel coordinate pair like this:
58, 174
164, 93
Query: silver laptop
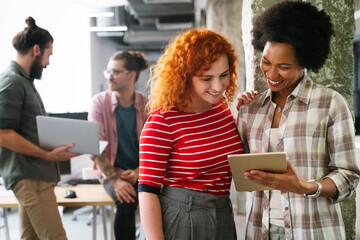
54, 132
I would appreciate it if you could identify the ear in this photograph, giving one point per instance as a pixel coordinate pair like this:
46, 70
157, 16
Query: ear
132, 75
36, 50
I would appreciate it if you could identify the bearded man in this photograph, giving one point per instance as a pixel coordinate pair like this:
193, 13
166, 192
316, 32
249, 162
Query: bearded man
28, 170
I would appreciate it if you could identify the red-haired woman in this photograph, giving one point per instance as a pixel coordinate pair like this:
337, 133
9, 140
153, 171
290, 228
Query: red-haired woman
185, 177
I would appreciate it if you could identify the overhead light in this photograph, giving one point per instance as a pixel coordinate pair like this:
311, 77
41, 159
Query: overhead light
109, 29
110, 34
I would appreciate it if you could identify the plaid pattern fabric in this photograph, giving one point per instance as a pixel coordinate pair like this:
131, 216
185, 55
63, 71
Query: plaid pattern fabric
319, 140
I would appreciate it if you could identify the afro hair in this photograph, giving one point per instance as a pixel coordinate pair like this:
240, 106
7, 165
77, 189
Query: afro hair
300, 24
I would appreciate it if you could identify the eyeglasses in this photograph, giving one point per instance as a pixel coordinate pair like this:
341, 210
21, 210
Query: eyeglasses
113, 73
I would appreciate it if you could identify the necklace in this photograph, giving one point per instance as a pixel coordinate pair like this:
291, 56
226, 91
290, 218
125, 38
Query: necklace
280, 109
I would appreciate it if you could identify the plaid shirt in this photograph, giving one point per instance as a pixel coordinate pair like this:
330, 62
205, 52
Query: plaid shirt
319, 140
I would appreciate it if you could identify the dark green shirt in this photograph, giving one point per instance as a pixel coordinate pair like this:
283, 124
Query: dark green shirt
20, 103
127, 156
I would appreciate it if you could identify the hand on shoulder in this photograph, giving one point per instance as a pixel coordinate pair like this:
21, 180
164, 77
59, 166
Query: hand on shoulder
245, 98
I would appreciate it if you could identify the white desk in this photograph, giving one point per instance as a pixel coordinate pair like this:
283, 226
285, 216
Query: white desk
87, 195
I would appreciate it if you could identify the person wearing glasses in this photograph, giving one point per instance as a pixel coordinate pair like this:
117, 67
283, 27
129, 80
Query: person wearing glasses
120, 112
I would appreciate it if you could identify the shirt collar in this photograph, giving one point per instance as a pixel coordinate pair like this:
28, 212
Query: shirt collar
137, 100
303, 90
19, 70
114, 101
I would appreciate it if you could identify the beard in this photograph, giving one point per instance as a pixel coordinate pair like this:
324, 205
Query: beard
36, 68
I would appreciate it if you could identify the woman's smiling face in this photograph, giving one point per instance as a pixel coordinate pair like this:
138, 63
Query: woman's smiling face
281, 68
208, 89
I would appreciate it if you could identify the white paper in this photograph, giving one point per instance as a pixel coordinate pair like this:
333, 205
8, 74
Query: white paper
102, 145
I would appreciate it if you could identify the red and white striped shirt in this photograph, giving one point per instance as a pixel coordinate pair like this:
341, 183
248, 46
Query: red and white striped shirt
188, 150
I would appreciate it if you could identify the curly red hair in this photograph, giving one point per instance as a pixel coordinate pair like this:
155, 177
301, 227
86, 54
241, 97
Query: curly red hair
189, 54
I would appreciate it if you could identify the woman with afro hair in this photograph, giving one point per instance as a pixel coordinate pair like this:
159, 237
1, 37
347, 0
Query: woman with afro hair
312, 124
185, 177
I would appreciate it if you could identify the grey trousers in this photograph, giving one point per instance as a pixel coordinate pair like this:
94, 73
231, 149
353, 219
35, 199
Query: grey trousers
194, 215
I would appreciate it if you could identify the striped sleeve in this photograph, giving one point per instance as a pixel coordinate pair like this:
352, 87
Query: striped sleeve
155, 145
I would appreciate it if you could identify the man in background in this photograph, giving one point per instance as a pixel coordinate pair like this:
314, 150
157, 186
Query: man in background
120, 112
30, 171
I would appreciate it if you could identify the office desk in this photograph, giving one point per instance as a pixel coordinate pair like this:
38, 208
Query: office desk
87, 195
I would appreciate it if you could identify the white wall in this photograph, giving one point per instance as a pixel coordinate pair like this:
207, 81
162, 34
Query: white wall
66, 84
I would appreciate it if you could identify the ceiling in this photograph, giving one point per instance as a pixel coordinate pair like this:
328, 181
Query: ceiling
96, 4
148, 23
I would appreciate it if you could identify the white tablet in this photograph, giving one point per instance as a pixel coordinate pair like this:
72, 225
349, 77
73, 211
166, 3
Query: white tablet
54, 132
270, 162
